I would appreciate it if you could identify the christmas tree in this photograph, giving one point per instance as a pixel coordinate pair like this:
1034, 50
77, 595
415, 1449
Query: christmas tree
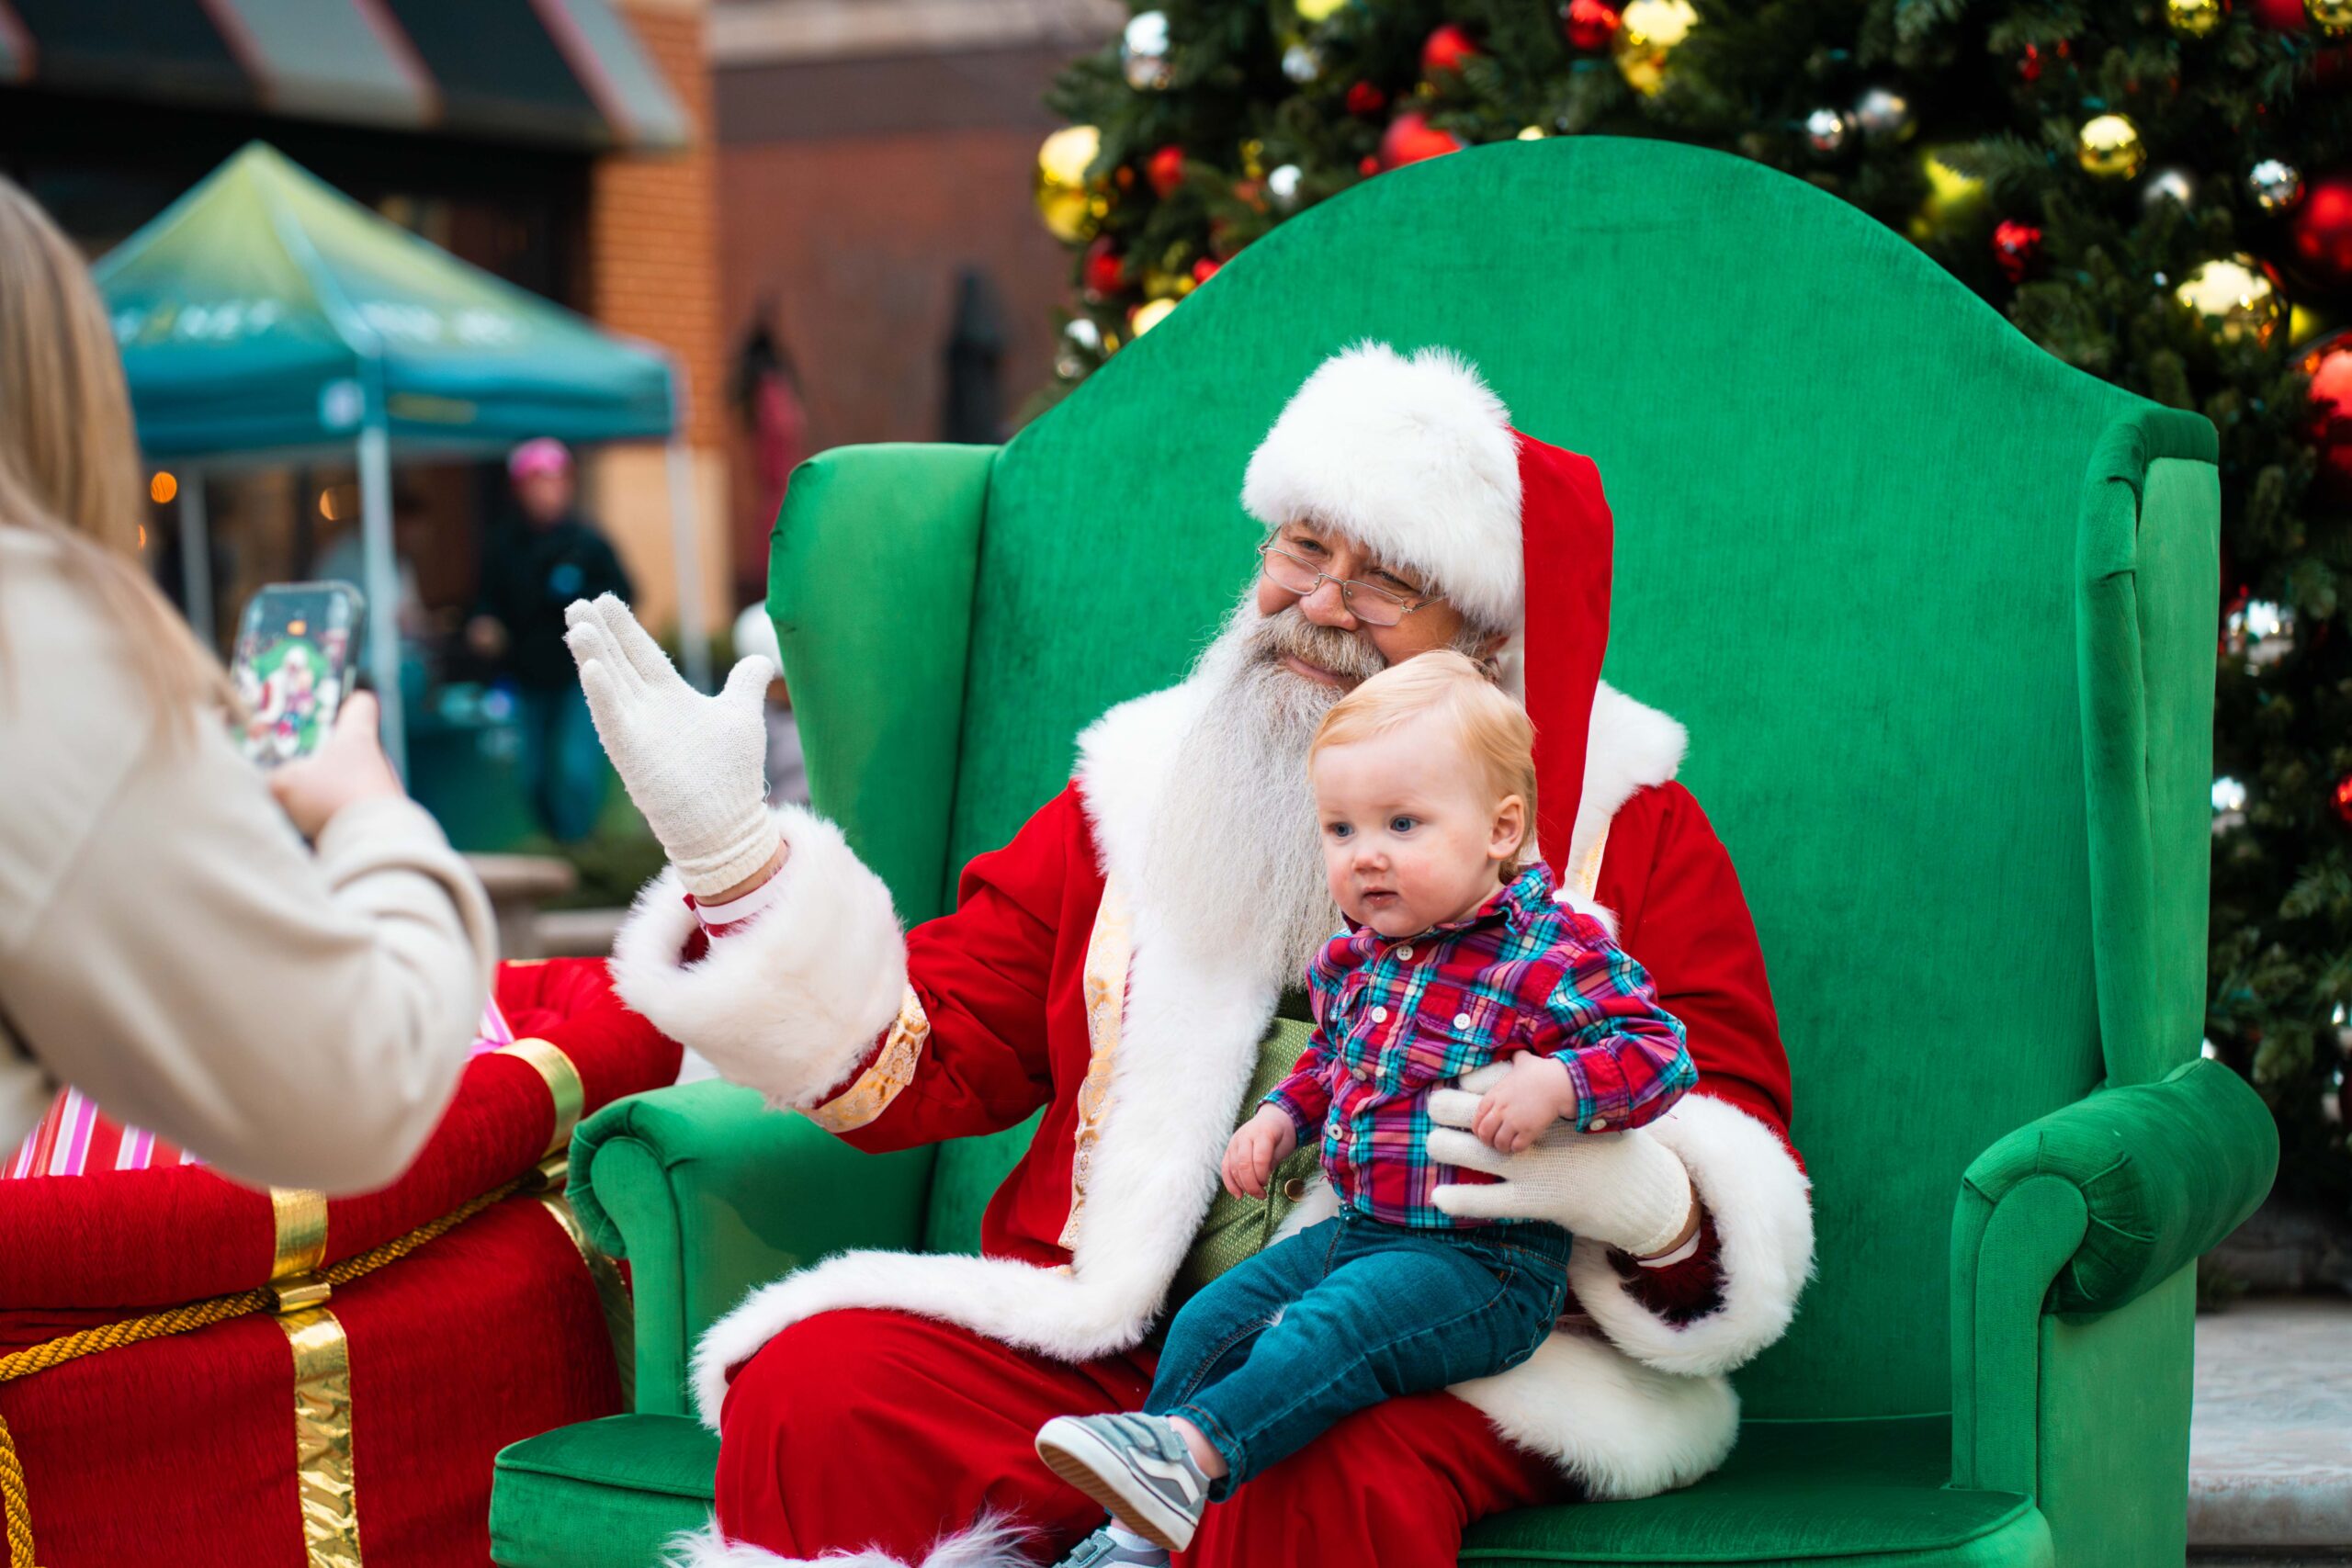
2158, 192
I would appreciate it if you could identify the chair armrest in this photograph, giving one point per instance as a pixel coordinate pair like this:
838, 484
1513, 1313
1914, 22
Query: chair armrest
2079, 1214
708, 1193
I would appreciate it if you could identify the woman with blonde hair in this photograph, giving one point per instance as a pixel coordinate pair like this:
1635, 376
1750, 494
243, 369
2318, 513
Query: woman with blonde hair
297, 1014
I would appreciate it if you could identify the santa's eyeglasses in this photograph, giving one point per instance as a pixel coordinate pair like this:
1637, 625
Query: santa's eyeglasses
1374, 605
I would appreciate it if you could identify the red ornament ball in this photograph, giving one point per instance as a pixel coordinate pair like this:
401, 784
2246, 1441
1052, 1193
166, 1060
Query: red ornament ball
1446, 51
1165, 170
2328, 363
1205, 268
1104, 273
1369, 166
2016, 249
1592, 25
2320, 232
2344, 797
1366, 99
2281, 16
1411, 138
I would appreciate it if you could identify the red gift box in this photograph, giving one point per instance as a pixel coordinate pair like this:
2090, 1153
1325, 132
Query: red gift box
370, 1354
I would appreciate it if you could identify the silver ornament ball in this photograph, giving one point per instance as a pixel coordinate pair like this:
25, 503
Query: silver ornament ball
1884, 114
1826, 132
1143, 53
2277, 185
1282, 186
2171, 184
1302, 63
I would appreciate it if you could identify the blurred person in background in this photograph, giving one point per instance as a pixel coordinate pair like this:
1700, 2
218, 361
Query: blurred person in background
531, 567
295, 1014
787, 774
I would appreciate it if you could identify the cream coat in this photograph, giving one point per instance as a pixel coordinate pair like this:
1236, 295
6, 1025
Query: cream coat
169, 944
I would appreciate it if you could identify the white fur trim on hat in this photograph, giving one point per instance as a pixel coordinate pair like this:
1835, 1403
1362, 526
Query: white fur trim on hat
1412, 458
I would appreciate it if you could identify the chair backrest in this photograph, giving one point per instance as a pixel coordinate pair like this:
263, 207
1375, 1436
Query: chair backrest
1936, 608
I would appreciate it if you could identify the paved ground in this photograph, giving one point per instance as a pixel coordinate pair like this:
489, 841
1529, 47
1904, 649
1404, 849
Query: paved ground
2271, 1444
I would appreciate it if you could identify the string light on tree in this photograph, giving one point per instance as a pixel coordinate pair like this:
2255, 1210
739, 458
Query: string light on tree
1647, 33
2234, 298
2108, 146
2344, 797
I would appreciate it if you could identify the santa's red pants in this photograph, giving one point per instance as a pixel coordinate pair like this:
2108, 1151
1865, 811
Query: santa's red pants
878, 1429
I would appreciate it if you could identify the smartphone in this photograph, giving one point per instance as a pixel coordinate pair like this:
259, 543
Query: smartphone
292, 664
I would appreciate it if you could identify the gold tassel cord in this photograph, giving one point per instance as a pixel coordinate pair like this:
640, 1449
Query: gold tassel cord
13, 1499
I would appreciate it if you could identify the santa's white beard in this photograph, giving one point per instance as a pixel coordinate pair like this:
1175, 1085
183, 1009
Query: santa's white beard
1232, 860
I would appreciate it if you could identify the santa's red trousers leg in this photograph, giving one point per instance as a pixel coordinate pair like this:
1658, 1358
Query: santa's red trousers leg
860, 1430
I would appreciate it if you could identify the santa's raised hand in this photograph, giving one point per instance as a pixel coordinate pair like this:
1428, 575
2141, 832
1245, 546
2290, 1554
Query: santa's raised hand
1624, 1190
693, 764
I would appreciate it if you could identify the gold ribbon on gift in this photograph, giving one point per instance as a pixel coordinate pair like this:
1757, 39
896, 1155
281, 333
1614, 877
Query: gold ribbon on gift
323, 1385
571, 1096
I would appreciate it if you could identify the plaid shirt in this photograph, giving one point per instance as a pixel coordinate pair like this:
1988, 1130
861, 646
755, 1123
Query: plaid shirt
1395, 1019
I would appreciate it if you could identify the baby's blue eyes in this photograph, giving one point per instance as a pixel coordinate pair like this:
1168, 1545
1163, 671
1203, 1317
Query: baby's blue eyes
1403, 823
1340, 829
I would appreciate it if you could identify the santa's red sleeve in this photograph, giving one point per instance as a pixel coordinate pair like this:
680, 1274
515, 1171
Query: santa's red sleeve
1681, 913
820, 1002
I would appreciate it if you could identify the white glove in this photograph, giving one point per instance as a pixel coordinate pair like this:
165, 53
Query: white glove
692, 763
1626, 1189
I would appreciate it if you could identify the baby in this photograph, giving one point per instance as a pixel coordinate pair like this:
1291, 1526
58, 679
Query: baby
1456, 955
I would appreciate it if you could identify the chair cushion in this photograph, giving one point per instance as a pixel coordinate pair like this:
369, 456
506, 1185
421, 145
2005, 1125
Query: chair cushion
605, 1493
1852, 1492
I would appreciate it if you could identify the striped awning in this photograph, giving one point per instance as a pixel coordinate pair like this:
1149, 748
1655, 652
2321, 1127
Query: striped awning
568, 73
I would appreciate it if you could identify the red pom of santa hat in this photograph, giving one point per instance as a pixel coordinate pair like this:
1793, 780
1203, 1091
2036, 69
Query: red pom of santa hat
1416, 459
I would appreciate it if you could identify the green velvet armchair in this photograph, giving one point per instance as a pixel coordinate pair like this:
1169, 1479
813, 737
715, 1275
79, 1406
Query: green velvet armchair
1939, 613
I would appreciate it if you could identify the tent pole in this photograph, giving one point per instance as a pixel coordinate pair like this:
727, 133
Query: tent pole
694, 628
195, 559
383, 585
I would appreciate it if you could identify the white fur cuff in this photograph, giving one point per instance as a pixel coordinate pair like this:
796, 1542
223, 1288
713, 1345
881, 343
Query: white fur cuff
790, 1000
1762, 1206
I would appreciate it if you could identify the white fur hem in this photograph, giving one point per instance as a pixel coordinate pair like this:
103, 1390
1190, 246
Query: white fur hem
1762, 1207
788, 1003
1621, 1428
991, 1543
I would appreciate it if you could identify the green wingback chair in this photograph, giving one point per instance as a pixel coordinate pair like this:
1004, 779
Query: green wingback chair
1939, 613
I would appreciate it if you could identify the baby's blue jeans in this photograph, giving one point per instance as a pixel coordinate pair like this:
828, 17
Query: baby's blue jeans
1345, 1315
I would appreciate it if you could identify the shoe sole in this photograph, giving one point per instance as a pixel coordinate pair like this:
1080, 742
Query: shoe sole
1087, 1462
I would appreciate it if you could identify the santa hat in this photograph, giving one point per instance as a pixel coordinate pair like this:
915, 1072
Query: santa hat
1416, 459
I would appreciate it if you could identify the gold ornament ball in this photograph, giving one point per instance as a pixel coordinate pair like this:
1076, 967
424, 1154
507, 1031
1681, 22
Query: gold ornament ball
1648, 31
2234, 298
2111, 147
2194, 18
1148, 315
1954, 199
2334, 17
1313, 11
1070, 204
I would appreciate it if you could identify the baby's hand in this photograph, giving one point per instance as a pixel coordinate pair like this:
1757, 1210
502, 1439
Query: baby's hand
1515, 1112
1263, 1143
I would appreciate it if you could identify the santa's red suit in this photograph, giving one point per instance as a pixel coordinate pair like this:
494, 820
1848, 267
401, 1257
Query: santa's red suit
887, 1403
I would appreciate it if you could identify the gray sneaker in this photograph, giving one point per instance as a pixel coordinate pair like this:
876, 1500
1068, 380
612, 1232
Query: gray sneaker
1098, 1550
1134, 1465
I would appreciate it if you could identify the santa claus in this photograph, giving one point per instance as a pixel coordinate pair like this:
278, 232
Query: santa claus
1121, 963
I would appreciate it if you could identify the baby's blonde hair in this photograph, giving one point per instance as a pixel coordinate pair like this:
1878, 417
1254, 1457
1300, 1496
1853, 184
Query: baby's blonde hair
1485, 722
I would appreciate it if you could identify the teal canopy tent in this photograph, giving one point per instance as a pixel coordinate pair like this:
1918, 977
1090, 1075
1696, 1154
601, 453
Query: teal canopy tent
264, 314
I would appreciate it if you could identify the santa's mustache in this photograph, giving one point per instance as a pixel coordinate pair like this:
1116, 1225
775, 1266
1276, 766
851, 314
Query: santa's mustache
1289, 631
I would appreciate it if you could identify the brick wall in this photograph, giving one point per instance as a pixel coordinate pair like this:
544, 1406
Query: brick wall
653, 272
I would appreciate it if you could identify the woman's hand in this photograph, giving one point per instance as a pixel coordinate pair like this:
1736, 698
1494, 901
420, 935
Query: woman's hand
1263, 1143
693, 765
349, 765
